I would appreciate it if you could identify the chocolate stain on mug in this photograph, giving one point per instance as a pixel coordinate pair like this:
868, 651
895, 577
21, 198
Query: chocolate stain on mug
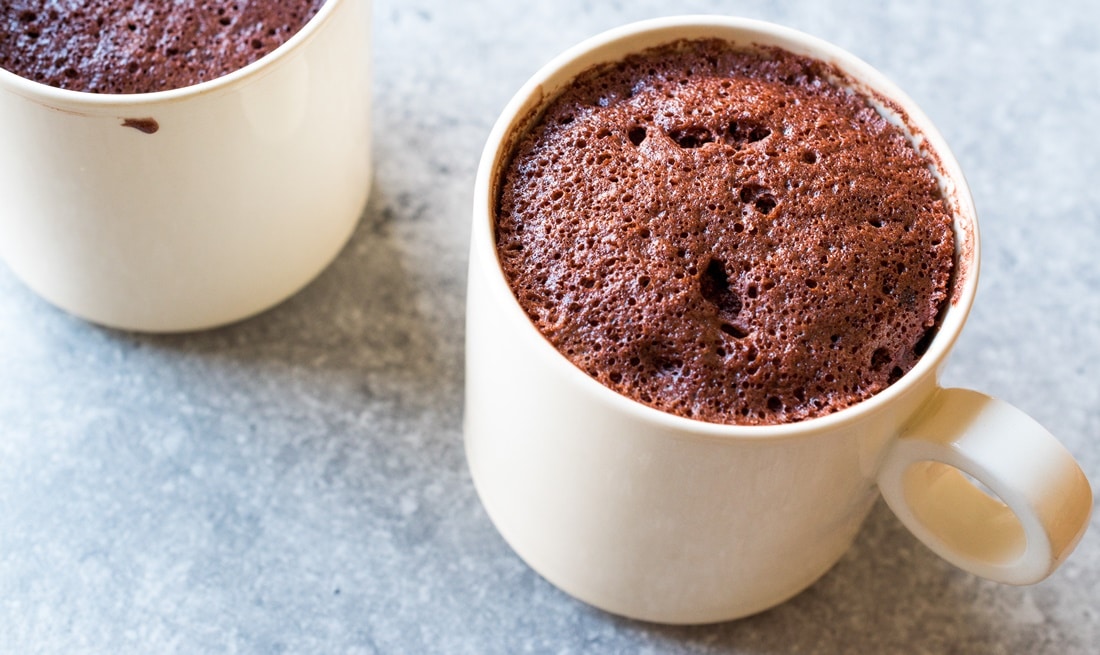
146, 125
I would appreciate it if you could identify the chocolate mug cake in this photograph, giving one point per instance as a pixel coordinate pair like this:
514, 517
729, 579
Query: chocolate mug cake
726, 234
107, 46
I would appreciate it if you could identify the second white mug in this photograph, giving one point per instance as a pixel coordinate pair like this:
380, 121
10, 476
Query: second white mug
194, 207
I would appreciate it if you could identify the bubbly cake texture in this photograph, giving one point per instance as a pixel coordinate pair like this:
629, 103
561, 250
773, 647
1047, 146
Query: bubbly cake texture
108, 46
726, 234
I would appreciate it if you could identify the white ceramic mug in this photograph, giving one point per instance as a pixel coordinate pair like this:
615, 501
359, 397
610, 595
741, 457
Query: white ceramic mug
194, 207
663, 518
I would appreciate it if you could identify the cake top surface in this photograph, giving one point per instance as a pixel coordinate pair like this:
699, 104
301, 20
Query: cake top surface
726, 234
108, 46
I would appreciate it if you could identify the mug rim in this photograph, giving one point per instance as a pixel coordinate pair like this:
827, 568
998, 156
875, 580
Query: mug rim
543, 86
58, 97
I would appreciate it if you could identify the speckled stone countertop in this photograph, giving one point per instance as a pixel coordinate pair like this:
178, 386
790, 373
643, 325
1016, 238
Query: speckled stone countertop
296, 483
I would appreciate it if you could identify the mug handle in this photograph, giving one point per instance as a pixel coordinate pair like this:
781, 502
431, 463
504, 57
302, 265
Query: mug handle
987, 488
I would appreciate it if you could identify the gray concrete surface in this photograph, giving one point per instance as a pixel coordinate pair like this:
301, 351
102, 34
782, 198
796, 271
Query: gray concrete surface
296, 483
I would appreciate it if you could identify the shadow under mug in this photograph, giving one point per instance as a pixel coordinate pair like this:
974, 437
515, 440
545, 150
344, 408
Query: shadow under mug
667, 519
194, 207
